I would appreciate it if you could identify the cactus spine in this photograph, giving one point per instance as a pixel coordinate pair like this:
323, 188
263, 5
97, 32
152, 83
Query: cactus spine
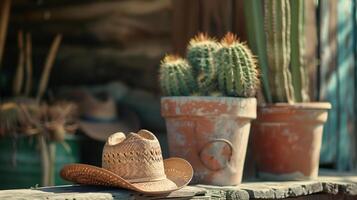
277, 29
237, 72
200, 54
176, 77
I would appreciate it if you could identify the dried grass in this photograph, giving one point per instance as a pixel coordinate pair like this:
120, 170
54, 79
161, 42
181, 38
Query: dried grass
48, 66
28, 117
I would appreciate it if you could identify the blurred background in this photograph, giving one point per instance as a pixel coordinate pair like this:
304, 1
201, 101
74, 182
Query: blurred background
72, 63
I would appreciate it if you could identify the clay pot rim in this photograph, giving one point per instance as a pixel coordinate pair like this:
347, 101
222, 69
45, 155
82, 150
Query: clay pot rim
304, 106
206, 97
242, 107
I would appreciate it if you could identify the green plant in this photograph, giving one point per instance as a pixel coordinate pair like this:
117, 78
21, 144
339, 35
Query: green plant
225, 68
280, 50
298, 69
176, 77
237, 73
253, 10
200, 54
277, 30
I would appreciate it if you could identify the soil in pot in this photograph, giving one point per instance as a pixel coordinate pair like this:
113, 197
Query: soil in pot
286, 140
211, 133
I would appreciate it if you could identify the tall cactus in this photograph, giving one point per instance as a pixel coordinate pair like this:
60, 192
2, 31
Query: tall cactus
298, 71
254, 20
200, 54
176, 77
277, 29
237, 71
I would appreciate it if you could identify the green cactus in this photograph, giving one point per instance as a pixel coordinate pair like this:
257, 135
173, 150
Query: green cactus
237, 71
254, 21
298, 68
200, 54
176, 77
277, 29
280, 49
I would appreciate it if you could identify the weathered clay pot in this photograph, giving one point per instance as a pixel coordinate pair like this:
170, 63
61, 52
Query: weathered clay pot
211, 133
286, 140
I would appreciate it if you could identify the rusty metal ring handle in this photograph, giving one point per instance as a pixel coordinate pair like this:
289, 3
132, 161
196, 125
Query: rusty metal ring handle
210, 160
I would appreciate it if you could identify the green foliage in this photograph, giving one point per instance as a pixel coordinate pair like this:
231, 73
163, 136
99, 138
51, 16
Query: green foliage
176, 77
237, 73
200, 54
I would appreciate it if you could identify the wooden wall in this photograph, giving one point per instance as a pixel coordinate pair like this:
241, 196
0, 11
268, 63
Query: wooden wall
117, 39
102, 40
337, 81
215, 17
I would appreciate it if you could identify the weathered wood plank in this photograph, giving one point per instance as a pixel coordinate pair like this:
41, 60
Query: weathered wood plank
346, 82
4, 20
102, 41
328, 184
337, 82
354, 148
276, 190
238, 21
103, 22
215, 17
90, 192
343, 186
78, 64
327, 78
227, 192
324, 197
185, 23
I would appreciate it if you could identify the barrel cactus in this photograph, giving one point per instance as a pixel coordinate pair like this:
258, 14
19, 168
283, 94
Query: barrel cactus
200, 54
237, 72
176, 77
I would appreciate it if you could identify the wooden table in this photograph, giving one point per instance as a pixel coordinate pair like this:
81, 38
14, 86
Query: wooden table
341, 187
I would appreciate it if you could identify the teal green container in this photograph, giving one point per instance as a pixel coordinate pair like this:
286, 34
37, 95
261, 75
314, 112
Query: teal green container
20, 162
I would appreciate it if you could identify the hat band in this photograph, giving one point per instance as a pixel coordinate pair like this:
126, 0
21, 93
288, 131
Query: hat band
147, 179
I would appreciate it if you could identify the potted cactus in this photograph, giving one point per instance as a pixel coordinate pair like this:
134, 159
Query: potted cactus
208, 106
286, 137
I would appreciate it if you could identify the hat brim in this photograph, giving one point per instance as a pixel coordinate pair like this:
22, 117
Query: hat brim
127, 122
101, 131
177, 170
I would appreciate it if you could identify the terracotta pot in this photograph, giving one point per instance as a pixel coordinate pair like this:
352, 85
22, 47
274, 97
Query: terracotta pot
211, 133
286, 140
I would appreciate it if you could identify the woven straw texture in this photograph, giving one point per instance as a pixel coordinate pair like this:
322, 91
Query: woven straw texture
138, 158
134, 163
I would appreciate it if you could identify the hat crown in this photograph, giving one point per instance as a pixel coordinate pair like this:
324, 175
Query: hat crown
136, 158
99, 106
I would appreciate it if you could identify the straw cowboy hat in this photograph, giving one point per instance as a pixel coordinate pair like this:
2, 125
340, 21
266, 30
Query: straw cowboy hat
99, 117
133, 162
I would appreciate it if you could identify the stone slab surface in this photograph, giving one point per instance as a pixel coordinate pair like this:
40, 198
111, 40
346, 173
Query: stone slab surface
328, 184
96, 193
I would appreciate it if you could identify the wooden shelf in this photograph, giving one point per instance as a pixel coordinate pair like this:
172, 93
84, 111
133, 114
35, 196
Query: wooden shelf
330, 185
